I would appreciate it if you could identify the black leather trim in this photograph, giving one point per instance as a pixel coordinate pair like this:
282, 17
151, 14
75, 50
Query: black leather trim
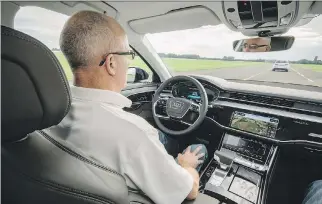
35, 91
14, 33
62, 189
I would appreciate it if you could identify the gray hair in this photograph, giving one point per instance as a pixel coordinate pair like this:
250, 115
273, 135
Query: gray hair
85, 38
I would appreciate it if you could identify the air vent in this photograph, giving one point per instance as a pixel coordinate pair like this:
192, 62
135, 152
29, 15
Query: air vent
258, 14
261, 99
142, 97
167, 89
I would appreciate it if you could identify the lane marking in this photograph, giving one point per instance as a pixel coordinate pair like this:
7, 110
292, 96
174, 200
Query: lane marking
310, 80
255, 75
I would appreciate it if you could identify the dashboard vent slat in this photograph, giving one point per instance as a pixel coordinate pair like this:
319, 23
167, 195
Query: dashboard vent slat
262, 99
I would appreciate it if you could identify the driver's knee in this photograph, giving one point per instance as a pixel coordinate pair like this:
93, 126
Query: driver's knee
314, 194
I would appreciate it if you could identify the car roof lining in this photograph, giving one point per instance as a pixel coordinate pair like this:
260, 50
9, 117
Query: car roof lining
68, 8
149, 16
154, 14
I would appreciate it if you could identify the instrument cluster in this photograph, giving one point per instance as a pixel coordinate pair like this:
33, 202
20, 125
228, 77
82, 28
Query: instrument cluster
189, 91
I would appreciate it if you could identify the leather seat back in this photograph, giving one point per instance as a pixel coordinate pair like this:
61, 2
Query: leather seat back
37, 168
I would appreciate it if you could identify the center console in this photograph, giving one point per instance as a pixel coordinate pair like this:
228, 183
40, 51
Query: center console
239, 170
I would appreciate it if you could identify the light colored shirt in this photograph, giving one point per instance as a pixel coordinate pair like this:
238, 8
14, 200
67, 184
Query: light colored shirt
99, 127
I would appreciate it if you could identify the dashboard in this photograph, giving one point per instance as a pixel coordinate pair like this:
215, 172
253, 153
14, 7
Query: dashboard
249, 121
281, 116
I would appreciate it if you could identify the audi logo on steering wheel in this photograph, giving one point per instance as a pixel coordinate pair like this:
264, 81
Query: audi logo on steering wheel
177, 104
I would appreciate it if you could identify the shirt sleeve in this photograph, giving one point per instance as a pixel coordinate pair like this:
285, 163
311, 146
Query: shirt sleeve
156, 173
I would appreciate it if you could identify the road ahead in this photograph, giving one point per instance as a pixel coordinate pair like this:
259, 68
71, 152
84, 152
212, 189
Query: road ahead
296, 75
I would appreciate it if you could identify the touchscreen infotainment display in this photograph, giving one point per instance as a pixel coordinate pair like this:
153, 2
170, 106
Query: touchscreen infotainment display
264, 126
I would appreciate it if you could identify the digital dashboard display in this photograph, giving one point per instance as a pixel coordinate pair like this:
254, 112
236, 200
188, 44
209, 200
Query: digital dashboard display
264, 126
191, 92
193, 95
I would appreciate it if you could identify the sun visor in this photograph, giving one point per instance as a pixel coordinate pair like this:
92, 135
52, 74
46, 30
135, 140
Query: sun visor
70, 7
187, 18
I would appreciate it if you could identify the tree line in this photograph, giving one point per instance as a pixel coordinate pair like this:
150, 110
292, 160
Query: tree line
231, 58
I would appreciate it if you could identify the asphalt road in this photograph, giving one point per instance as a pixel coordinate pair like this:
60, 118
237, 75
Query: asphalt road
296, 75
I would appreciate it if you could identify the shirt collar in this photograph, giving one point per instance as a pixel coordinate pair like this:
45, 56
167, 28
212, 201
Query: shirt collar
99, 95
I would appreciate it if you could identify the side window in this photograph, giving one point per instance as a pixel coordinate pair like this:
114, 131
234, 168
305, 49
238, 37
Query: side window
139, 71
30, 20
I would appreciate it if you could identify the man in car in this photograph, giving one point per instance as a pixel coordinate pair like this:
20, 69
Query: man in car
257, 45
98, 52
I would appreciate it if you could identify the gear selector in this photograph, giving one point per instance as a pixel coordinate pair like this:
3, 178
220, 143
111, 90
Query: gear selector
224, 160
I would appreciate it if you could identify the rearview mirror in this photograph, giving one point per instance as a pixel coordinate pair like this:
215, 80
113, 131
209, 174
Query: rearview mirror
263, 44
135, 74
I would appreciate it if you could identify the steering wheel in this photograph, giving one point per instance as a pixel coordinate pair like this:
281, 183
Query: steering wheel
176, 108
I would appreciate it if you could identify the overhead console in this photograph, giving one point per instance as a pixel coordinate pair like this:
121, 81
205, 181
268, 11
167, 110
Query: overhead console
264, 17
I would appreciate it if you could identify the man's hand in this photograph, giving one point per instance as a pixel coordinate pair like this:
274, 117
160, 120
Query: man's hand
190, 159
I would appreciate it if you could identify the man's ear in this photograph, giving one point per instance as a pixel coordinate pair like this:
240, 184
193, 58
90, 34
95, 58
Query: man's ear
111, 64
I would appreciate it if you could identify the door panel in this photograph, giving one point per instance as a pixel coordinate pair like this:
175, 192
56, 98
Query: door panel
141, 97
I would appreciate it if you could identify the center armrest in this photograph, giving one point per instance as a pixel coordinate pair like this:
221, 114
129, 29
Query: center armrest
202, 199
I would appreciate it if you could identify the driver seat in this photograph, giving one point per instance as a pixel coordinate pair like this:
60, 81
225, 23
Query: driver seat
37, 168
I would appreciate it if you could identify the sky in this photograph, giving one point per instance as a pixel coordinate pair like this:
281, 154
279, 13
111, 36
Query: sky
208, 41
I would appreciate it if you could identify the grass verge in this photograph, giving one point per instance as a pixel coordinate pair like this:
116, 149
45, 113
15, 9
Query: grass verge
313, 67
176, 64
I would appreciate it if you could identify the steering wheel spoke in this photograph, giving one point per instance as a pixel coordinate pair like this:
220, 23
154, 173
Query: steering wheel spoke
195, 107
163, 117
185, 123
160, 104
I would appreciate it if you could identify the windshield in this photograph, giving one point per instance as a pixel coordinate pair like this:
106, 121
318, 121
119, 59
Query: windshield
208, 51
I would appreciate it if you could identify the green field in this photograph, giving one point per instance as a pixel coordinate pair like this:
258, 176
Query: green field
175, 64
184, 65
314, 67
64, 64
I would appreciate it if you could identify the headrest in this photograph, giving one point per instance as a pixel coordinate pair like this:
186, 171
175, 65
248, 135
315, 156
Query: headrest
34, 90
